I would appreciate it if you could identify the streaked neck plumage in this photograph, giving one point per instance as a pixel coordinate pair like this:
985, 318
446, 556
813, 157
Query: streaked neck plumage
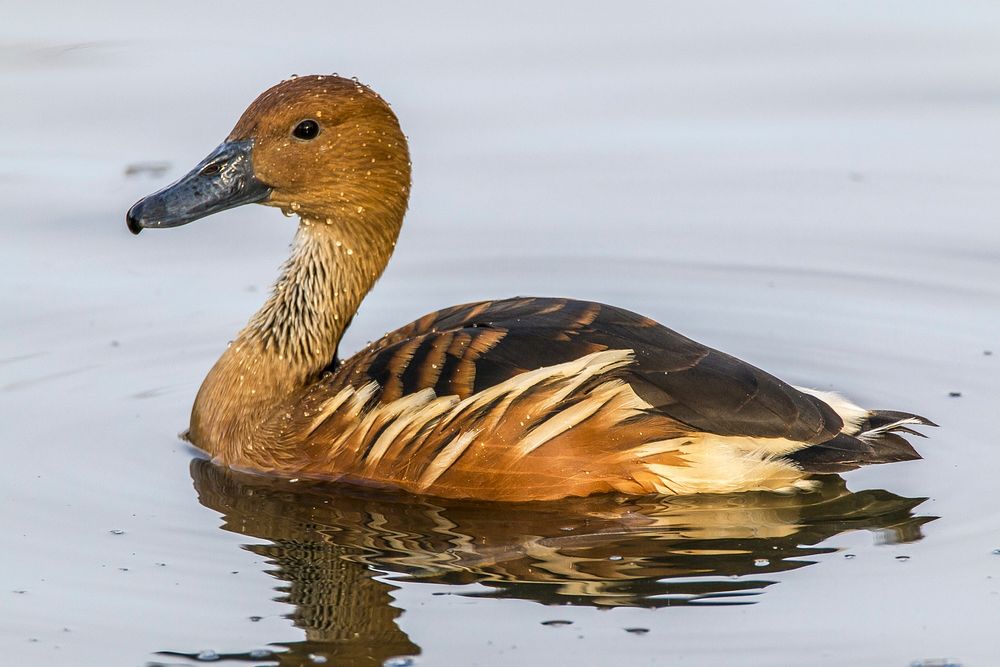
332, 267
335, 261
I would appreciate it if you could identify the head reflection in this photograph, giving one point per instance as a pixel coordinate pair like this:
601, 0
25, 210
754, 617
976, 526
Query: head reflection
607, 551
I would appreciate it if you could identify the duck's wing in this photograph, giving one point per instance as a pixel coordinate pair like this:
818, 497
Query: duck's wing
465, 349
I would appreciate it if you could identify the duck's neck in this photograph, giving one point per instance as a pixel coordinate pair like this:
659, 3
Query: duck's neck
294, 336
332, 267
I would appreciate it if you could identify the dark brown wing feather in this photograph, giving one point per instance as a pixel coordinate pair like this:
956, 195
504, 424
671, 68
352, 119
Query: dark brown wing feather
464, 349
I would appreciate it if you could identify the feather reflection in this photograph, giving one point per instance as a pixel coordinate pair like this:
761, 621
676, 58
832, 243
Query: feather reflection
327, 543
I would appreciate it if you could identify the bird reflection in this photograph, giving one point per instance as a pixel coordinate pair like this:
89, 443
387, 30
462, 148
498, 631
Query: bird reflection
328, 542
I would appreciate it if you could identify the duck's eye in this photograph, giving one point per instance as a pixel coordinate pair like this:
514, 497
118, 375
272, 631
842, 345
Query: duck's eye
306, 130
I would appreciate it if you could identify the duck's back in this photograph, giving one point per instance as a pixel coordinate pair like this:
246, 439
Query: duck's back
469, 348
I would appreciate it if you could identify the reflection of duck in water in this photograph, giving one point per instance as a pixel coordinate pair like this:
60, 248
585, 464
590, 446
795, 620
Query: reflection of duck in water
517, 399
327, 541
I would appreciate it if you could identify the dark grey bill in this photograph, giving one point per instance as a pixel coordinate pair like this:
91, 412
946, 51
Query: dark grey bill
223, 180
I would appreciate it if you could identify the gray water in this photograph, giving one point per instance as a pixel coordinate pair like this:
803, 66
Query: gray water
810, 186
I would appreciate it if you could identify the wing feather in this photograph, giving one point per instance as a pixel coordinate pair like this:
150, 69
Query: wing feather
468, 348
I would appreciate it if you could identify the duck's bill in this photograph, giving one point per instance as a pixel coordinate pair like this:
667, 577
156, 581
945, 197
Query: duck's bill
222, 180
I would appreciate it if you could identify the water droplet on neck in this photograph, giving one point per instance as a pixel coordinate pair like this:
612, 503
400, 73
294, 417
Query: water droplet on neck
398, 661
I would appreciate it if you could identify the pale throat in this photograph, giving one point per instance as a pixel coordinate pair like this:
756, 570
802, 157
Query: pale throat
295, 335
333, 265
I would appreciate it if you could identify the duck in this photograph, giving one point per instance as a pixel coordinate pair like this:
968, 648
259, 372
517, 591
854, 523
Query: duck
515, 399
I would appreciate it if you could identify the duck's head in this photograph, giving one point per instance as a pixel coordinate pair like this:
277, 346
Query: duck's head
325, 147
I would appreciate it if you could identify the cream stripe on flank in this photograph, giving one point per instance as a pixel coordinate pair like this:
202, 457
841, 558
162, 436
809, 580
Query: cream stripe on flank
414, 437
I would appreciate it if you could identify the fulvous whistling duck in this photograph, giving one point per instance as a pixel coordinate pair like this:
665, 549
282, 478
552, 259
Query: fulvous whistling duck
517, 399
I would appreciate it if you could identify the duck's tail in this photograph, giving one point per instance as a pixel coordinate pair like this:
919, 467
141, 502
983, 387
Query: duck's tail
877, 437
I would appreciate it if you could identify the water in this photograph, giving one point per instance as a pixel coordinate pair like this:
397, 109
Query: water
810, 187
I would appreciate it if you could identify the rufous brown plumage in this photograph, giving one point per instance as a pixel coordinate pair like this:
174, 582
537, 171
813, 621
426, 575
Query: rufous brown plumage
516, 399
